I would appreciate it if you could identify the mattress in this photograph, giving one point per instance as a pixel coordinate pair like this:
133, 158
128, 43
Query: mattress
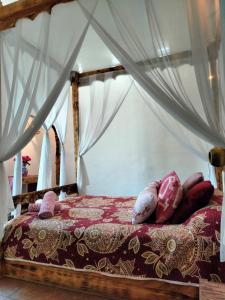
95, 234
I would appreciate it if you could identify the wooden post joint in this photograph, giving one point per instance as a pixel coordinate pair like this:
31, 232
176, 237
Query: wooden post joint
74, 77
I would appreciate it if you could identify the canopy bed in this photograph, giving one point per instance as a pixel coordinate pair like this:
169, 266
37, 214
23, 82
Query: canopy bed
95, 245
90, 244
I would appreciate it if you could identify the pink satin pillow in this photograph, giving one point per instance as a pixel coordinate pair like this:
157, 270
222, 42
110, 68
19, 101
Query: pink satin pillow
169, 197
192, 180
146, 203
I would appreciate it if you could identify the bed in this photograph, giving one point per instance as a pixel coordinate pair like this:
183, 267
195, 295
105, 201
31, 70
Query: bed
91, 244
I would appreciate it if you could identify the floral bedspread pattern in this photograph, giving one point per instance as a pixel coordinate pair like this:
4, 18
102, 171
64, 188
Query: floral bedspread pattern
95, 233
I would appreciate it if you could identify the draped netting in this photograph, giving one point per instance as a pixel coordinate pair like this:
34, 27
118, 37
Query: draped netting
34, 68
61, 128
186, 138
58, 112
105, 99
155, 40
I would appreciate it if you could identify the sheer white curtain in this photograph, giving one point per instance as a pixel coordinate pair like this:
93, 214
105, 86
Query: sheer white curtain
102, 107
61, 128
187, 139
22, 76
147, 37
153, 39
17, 181
45, 166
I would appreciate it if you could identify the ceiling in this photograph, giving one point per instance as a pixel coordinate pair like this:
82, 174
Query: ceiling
94, 54
5, 2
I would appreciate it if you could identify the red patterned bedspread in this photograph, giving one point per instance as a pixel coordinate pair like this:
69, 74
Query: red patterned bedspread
95, 233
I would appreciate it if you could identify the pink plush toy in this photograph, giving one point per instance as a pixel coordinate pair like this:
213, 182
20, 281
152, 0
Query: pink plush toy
48, 205
35, 207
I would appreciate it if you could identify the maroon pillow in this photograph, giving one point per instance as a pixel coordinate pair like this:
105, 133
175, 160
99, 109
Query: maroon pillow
192, 180
197, 197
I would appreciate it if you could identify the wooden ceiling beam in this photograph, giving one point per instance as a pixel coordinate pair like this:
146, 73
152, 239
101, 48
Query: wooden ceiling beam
11, 13
101, 71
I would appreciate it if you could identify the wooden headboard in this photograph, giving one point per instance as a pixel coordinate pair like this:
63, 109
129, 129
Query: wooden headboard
31, 197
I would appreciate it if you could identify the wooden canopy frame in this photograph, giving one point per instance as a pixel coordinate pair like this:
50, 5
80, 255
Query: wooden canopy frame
11, 13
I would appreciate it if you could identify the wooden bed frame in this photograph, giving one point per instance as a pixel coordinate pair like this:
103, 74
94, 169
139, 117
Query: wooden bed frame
95, 283
91, 282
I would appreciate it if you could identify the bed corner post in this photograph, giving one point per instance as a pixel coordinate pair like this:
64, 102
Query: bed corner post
74, 79
217, 160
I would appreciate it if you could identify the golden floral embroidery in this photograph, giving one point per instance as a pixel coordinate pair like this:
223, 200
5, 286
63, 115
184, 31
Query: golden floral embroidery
72, 239
91, 213
69, 264
106, 238
215, 278
11, 225
134, 244
122, 267
179, 247
18, 233
95, 202
10, 252
125, 203
123, 214
46, 237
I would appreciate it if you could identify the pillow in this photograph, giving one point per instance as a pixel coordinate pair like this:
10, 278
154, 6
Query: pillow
48, 205
197, 197
169, 197
192, 180
173, 173
146, 203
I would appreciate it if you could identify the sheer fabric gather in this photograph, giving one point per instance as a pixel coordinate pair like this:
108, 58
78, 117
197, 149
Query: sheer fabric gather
34, 69
143, 40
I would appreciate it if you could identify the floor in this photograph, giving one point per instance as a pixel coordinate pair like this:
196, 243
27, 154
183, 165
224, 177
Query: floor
12, 289
211, 290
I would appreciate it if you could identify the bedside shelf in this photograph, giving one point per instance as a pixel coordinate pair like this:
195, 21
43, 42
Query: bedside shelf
31, 182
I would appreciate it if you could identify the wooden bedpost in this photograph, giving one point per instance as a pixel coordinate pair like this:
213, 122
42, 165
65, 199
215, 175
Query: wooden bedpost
58, 156
217, 159
217, 154
74, 78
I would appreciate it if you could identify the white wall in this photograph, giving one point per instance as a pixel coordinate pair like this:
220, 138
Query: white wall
135, 150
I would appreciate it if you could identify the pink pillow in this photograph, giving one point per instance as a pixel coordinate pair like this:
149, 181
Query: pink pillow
192, 180
173, 173
35, 207
48, 205
146, 203
169, 197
